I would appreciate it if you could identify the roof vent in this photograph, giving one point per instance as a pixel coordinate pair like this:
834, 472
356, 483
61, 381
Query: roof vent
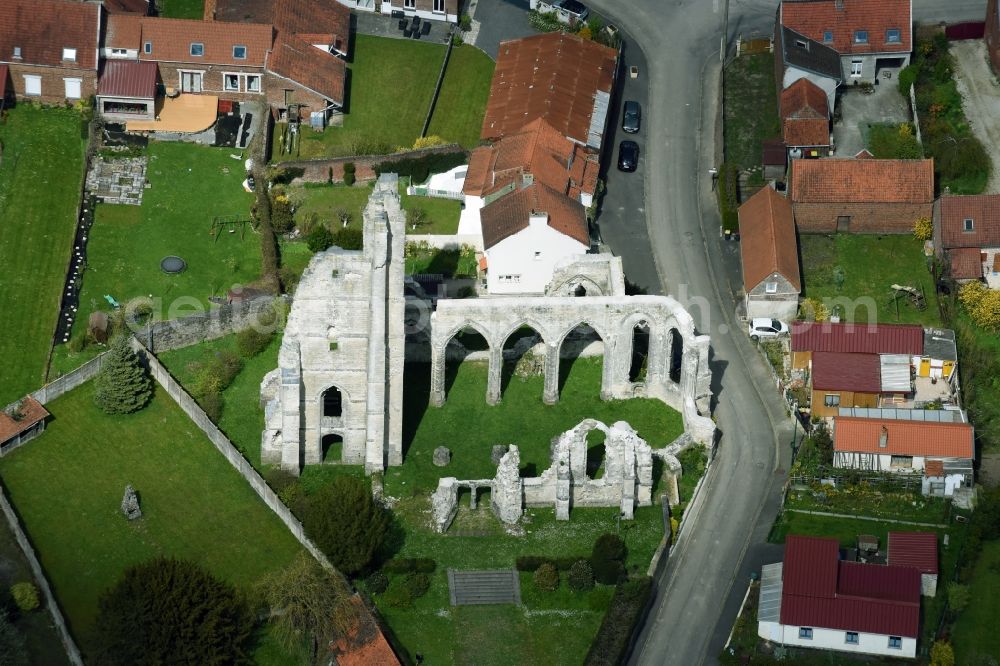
883, 438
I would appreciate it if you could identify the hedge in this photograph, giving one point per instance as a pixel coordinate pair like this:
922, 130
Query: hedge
403, 565
728, 204
610, 645
419, 169
531, 563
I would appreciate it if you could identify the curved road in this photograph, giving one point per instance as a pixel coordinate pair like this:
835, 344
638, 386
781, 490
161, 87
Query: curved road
702, 586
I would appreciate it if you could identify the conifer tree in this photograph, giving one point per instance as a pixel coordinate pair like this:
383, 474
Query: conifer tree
122, 386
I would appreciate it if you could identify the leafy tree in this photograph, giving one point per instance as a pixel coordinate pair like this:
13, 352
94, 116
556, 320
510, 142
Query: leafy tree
416, 217
307, 600
581, 576
346, 523
546, 578
349, 238
958, 597
942, 654
25, 596
122, 385
167, 611
319, 239
252, 341
12, 646
982, 304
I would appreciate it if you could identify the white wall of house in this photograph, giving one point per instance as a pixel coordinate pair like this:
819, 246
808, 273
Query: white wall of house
773, 298
850, 460
941, 486
826, 84
119, 54
835, 639
992, 277
469, 223
389, 6
523, 263
864, 67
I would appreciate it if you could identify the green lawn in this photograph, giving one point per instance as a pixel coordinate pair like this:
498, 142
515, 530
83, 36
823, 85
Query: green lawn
452, 263
975, 631
40, 179
67, 487
750, 109
390, 85
461, 104
183, 9
870, 265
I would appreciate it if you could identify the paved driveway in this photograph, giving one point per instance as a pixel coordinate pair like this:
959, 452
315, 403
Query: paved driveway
500, 20
980, 99
859, 110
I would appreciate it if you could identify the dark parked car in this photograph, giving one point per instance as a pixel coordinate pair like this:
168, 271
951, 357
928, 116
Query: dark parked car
628, 155
632, 117
573, 8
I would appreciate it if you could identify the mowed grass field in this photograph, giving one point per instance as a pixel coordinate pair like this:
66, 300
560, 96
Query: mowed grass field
461, 104
40, 179
67, 487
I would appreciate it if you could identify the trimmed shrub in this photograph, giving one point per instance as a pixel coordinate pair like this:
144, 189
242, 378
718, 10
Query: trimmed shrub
251, 342
531, 562
211, 404
609, 547
377, 582
606, 559
906, 78
581, 576
424, 565
417, 584
25, 596
349, 238
282, 217
397, 595
546, 577
624, 612
319, 239
566, 562
403, 565
942, 654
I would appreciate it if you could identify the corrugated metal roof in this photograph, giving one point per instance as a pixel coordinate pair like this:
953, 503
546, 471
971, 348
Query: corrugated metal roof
598, 119
929, 415
810, 567
846, 372
128, 78
769, 605
918, 550
860, 338
894, 372
909, 438
878, 581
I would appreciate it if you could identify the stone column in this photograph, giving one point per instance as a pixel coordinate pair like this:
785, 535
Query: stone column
472, 496
551, 394
493, 380
607, 372
438, 360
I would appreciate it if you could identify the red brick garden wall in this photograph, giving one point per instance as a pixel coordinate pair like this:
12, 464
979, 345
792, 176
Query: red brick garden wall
865, 218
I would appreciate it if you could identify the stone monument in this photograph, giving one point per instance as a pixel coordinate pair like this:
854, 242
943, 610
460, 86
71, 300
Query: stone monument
130, 504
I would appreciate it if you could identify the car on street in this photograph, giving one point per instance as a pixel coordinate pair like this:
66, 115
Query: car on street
767, 328
628, 155
632, 117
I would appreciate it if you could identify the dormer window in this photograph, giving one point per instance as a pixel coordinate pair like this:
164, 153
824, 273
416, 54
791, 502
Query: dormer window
69, 54
147, 47
860, 36
828, 36
802, 44
893, 36
17, 52
197, 49
968, 224
239, 52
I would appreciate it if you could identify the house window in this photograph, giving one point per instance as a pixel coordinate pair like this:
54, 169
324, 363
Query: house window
409, 4
147, 47
771, 287
439, 6
806, 633
860, 36
968, 224
119, 52
32, 84
253, 82
893, 36
17, 52
901, 462
231, 82
197, 49
828, 36
538, 255
240, 52
73, 88
69, 54
289, 97
851, 638
895, 642
856, 68
831, 400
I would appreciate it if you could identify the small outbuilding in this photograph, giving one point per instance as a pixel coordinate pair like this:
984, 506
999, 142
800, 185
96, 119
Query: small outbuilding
127, 90
769, 250
20, 422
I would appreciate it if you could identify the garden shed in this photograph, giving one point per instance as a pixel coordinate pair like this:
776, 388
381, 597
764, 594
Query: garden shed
127, 90
21, 422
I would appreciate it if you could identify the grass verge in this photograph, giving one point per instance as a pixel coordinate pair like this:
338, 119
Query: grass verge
750, 109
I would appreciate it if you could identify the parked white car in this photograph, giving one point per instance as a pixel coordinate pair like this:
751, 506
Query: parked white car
767, 328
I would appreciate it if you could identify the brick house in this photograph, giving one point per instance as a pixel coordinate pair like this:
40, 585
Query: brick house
967, 235
324, 23
805, 120
861, 195
770, 255
50, 49
869, 35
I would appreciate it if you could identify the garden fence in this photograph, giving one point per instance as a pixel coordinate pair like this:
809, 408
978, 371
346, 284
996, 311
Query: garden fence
69, 381
904, 481
913, 110
437, 87
72, 651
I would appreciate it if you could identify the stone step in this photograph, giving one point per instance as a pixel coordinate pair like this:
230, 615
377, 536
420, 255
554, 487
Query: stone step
484, 587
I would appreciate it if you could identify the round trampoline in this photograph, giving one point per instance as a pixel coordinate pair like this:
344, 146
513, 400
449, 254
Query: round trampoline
172, 264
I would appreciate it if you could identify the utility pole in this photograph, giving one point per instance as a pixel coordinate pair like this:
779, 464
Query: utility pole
725, 33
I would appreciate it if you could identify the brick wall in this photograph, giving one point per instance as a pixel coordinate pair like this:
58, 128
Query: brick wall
211, 80
275, 87
53, 86
318, 171
865, 218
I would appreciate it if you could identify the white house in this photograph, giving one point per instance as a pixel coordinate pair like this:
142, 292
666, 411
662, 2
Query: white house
798, 57
526, 233
815, 600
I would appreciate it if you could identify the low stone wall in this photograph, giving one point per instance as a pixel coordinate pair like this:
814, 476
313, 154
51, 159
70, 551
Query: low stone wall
215, 323
72, 651
323, 170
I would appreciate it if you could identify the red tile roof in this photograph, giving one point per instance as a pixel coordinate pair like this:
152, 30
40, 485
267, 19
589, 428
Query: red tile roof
843, 17
860, 338
982, 209
171, 41
318, 70
848, 180
556, 76
804, 99
314, 17
31, 413
140, 7
819, 591
538, 149
918, 550
509, 214
43, 28
364, 644
128, 78
124, 31
805, 132
832, 371
965, 263
908, 438
767, 239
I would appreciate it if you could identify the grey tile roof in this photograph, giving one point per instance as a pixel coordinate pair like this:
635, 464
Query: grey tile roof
813, 57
